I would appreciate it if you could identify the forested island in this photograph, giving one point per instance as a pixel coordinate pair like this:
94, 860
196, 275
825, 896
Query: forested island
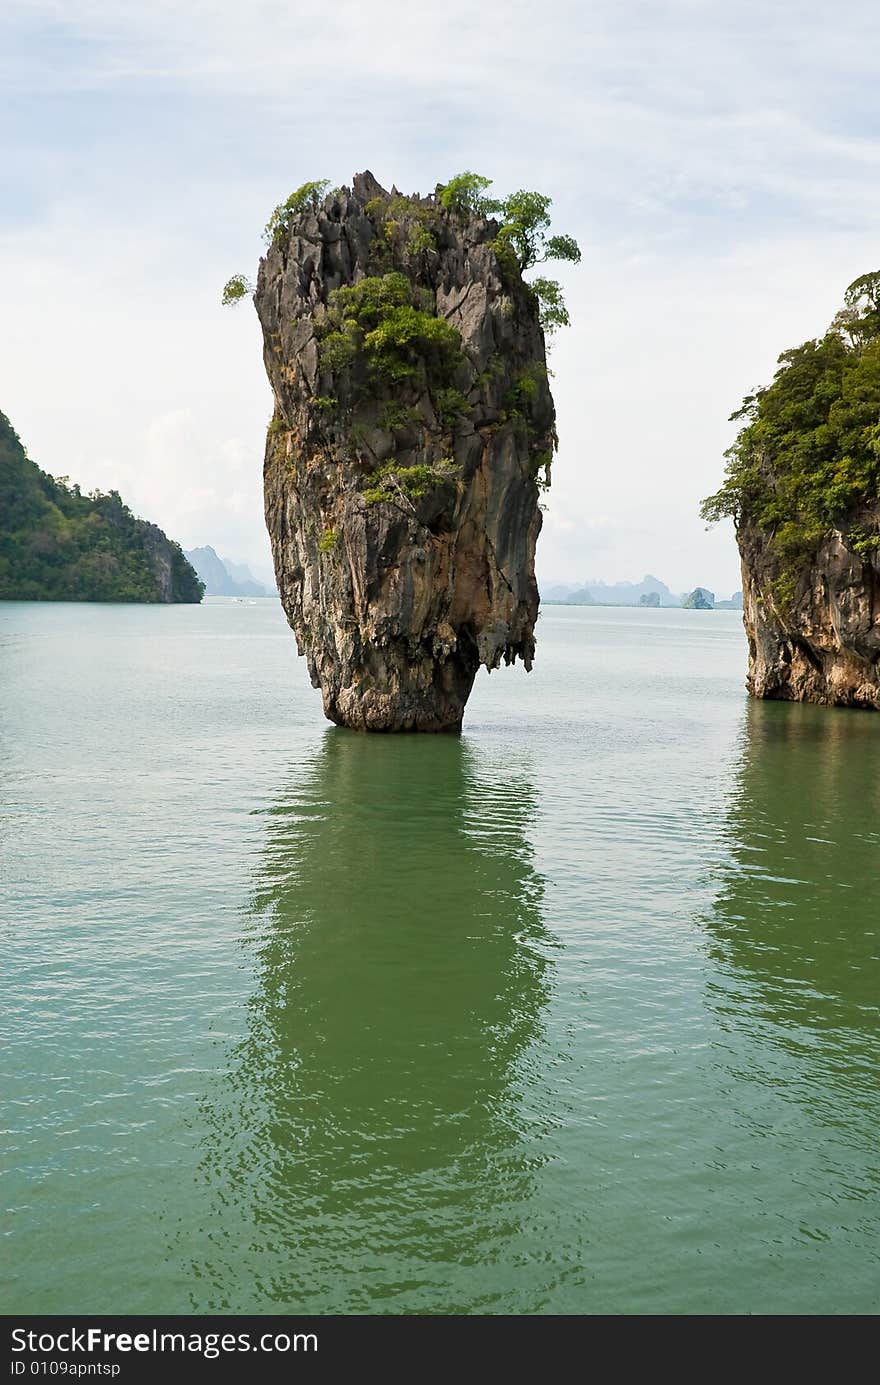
803, 489
57, 544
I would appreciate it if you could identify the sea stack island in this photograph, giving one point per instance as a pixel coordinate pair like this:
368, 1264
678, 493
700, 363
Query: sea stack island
412, 434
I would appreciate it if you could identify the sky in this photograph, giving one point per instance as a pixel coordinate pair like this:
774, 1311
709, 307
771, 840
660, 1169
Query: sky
717, 160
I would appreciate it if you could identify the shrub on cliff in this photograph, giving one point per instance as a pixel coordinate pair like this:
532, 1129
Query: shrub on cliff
235, 289
523, 237
305, 198
807, 458
380, 321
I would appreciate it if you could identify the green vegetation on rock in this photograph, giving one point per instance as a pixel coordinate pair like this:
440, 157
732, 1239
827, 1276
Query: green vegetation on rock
393, 482
386, 324
551, 304
525, 389
307, 197
57, 544
807, 458
399, 418
235, 289
523, 239
465, 193
450, 405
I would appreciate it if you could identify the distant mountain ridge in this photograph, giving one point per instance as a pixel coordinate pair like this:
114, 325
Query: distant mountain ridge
599, 593
648, 593
222, 577
57, 544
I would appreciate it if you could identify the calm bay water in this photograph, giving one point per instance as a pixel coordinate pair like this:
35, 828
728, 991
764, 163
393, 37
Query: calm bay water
576, 1013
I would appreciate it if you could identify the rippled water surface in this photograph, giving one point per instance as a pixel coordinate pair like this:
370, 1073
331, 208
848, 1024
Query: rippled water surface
577, 1013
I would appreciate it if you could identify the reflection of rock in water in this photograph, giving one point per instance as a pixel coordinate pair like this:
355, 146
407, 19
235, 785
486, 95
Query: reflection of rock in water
367, 1139
795, 924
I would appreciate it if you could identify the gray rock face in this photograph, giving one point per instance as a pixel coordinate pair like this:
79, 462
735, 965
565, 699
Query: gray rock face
401, 473
175, 578
822, 645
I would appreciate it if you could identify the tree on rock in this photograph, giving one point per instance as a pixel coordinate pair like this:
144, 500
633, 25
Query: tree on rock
523, 236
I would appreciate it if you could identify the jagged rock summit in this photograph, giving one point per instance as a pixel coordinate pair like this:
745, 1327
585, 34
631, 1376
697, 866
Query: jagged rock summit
413, 426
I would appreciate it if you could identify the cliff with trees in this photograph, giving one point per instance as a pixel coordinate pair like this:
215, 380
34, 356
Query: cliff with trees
803, 489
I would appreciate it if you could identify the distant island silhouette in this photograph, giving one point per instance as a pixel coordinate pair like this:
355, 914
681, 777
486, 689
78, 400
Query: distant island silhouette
649, 593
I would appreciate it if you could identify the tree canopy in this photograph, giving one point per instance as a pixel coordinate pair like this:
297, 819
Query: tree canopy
807, 458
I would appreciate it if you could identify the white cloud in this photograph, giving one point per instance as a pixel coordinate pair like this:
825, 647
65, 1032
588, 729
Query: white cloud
122, 371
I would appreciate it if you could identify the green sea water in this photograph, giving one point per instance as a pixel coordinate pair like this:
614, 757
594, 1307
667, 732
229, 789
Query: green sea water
577, 1013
